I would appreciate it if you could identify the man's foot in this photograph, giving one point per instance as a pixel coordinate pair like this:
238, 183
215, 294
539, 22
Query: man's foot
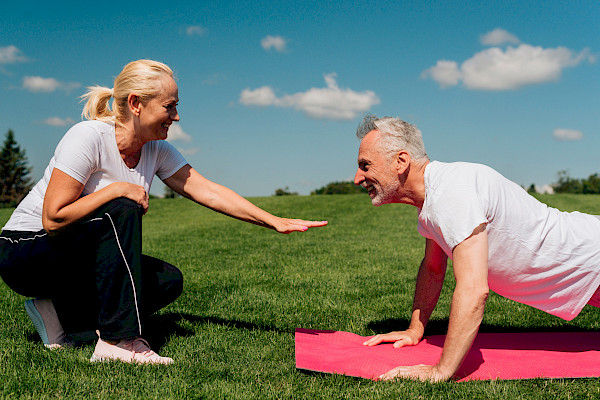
44, 318
131, 351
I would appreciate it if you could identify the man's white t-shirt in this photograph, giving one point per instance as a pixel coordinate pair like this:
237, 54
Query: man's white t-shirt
88, 153
538, 255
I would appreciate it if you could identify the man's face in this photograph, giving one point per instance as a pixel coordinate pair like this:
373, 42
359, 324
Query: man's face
376, 172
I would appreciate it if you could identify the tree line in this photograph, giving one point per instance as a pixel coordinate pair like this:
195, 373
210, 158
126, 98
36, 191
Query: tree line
340, 187
566, 184
16, 181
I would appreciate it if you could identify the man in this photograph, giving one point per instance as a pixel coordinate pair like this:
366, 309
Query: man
497, 236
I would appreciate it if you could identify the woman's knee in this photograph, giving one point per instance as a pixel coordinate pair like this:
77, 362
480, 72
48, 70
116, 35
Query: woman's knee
124, 204
164, 278
121, 211
164, 285
175, 281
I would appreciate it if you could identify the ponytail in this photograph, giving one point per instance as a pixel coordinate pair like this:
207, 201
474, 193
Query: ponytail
97, 104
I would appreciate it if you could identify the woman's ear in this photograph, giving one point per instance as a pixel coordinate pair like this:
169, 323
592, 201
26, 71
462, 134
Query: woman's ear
134, 104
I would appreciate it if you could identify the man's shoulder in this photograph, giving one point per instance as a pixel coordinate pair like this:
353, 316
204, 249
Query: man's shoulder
458, 173
459, 165
454, 185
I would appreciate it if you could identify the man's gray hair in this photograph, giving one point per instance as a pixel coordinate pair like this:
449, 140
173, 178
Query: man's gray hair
396, 135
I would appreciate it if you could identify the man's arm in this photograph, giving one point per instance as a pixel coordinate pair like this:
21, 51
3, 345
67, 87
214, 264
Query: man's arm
466, 313
427, 292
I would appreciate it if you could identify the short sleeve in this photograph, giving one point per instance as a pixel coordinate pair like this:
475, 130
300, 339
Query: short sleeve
77, 153
170, 160
457, 212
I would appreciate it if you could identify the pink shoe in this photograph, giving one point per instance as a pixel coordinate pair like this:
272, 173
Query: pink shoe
131, 351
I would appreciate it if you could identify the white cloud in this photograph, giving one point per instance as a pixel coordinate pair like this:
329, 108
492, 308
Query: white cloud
330, 102
494, 69
188, 151
195, 30
274, 42
506, 69
446, 73
11, 55
38, 84
176, 133
567, 135
544, 189
56, 121
263, 96
497, 37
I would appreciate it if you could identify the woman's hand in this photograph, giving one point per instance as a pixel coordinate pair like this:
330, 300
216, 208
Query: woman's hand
131, 191
286, 225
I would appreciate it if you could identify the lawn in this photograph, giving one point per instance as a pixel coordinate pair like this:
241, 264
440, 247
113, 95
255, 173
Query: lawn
247, 288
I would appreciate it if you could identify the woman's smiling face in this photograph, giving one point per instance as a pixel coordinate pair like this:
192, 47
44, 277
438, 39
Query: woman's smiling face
157, 115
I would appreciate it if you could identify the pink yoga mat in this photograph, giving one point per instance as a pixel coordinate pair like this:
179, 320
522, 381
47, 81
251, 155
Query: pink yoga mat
493, 355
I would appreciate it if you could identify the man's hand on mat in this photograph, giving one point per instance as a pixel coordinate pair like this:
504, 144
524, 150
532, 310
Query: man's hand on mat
400, 339
421, 372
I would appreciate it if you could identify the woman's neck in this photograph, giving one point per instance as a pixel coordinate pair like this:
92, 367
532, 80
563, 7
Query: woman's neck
130, 147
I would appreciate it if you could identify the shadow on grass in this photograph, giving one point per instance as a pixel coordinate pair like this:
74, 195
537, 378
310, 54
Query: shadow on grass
160, 327
323, 375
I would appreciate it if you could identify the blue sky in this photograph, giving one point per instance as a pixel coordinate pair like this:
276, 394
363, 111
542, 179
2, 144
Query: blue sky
271, 92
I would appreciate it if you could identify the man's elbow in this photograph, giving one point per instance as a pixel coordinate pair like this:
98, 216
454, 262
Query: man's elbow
481, 294
476, 294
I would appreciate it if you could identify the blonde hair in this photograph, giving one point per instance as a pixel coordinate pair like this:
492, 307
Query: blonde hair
141, 77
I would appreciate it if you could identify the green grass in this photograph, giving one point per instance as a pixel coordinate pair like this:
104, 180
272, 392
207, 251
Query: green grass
247, 289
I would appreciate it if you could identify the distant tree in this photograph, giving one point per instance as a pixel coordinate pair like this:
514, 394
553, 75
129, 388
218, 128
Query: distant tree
566, 184
284, 192
15, 179
591, 185
345, 187
532, 189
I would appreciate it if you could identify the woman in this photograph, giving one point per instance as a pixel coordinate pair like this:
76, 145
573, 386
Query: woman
74, 242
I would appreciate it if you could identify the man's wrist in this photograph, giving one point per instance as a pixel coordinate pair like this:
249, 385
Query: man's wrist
442, 374
416, 332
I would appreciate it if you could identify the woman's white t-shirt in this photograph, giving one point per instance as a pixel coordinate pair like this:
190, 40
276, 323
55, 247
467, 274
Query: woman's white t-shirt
537, 255
88, 153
